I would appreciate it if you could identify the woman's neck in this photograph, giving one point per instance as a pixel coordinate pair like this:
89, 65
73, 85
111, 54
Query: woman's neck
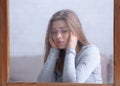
78, 48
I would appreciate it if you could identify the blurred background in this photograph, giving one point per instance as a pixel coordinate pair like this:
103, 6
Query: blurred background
29, 20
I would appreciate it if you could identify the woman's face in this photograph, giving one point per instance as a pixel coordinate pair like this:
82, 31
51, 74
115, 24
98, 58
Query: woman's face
60, 33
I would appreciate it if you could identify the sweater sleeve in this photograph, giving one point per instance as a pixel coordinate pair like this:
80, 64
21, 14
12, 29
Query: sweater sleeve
69, 74
90, 58
47, 74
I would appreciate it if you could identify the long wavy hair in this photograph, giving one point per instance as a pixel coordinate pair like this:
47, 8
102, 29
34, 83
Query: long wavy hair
74, 24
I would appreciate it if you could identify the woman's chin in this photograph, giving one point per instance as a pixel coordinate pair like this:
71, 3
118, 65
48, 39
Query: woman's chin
61, 47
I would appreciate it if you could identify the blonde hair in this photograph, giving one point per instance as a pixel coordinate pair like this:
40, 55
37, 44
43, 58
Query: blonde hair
73, 23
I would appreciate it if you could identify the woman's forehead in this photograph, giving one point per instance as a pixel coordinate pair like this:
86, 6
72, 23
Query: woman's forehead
59, 24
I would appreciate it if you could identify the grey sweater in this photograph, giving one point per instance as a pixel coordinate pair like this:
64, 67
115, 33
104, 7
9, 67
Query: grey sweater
83, 67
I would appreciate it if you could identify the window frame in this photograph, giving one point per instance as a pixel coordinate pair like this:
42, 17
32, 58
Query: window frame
5, 57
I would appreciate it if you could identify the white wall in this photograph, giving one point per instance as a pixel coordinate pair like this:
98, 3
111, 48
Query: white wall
29, 19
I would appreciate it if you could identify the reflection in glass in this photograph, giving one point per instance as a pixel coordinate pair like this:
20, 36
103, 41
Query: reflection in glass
28, 25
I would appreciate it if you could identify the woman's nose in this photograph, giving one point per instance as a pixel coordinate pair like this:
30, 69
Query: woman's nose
59, 35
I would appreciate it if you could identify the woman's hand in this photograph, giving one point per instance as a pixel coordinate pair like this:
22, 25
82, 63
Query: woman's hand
52, 42
72, 41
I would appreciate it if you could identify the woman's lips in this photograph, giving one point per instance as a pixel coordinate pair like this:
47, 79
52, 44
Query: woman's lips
60, 42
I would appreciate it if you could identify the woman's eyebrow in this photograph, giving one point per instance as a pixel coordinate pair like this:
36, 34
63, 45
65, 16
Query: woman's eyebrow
63, 27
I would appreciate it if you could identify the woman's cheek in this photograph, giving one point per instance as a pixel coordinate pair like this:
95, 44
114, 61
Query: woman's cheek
53, 38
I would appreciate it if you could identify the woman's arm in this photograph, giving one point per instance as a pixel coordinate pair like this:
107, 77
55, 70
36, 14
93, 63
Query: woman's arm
47, 74
69, 72
90, 58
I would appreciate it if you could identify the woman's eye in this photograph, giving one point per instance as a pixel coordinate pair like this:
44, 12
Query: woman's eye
64, 31
54, 32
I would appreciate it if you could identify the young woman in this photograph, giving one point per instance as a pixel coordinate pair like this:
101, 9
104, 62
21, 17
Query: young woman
69, 57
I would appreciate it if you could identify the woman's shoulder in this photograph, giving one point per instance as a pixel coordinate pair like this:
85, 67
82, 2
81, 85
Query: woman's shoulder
89, 52
90, 47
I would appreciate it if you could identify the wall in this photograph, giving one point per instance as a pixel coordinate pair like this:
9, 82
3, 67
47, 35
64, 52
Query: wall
29, 18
